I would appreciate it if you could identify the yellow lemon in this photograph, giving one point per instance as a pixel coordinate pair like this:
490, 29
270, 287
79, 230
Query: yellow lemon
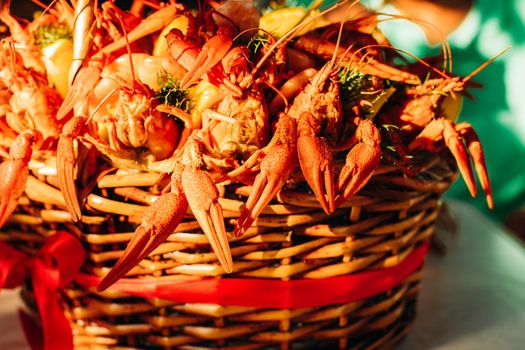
203, 95
281, 21
57, 58
161, 47
451, 106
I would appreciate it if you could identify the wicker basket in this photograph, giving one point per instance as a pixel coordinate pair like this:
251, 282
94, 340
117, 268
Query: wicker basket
393, 215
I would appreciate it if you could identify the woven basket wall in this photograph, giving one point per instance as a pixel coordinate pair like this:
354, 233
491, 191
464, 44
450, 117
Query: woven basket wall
293, 239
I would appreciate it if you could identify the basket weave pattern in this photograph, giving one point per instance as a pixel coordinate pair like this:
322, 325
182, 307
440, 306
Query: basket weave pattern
293, 239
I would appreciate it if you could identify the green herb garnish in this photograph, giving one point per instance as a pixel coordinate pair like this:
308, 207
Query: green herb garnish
172, 94
48, 34
357, 87
256, 43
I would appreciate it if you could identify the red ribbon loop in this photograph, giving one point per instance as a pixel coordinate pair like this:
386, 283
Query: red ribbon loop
55, 265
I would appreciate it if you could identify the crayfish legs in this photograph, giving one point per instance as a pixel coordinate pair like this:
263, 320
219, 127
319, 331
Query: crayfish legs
15, 171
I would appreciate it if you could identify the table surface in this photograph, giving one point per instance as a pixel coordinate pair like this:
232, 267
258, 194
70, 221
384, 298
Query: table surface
473, 298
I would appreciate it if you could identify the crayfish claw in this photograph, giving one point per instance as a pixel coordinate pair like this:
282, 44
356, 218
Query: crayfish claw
445, 128
66, 165
361, 162
135, 252
278, 161
457, 148
478, 158
66, 182
262, 193
82, 86
159, 221
15, 171
203, 197
212, 53
218, 237
8, 204
315, 158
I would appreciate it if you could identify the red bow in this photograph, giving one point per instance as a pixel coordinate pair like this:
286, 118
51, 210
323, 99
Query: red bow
53, 267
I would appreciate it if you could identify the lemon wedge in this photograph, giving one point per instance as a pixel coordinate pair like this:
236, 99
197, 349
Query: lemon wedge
161, 47
203, 95
281, 21
57, 58
452, 106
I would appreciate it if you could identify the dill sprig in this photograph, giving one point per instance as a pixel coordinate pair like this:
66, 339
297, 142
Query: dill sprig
172, 94
47, 34
256, 43
357, 86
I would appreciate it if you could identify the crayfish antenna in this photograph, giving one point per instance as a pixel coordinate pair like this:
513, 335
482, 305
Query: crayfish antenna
294, 31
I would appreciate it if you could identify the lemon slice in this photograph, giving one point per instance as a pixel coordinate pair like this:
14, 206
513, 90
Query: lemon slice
451, 106
57, 58
281, 21
161, 47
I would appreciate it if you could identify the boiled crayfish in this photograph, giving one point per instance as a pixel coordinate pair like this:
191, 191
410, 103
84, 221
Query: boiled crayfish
29, 101
313, 124
309, 108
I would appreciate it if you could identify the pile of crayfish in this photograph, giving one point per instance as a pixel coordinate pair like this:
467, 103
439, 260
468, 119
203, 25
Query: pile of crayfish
211, 96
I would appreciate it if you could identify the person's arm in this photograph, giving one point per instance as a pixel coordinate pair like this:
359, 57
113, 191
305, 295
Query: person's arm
445, 15
345, 12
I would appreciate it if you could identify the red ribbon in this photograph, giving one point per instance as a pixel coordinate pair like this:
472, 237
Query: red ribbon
54, 266
267, 293
62, 255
